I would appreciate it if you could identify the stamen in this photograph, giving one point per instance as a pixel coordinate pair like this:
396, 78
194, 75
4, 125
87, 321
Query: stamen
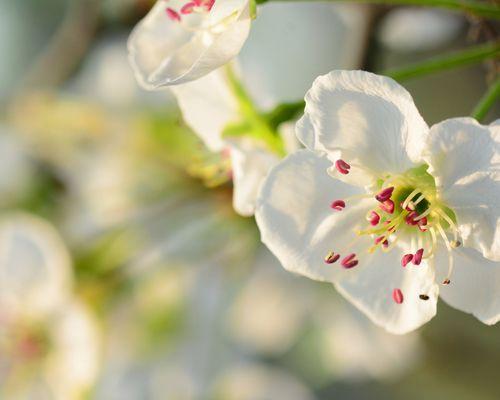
338, 205
410, 218
406, 259
455, 243
422, 224
385, 194
397, 296
349, 261
450, 223
417, 258
172, 14
419, 199
332, 257
342, 166
424, 214
387, 206
423, 297
409, 197
188, 8
434, 242
383, 240
410, 207
373, 218
450, 253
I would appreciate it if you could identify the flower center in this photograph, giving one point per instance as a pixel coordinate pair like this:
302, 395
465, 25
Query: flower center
407, 207
179, 10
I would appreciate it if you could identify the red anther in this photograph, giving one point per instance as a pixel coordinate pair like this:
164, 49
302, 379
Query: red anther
338, 205
349, 261
406, 259
374, 218
173, 15
446, 281
342, 167
387, 206
422, 224
188, 8
397, 296
385, 194
332, 257
350, 264
410, 218
417, 258
382, 239
209, 4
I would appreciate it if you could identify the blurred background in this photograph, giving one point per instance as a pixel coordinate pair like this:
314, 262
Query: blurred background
125, 273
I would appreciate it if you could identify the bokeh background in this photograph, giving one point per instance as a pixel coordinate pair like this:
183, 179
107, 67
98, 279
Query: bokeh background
125, 273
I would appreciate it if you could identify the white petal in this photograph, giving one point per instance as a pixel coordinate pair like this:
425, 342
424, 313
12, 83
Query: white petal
163, 52
295, 218
367, 120
208, 106
250, 166
35, 270
475, 284
370, 286
464, 158
276, 59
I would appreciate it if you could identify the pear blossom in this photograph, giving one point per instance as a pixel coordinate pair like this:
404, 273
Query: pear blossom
183, 40
48, 338
392, 212
225, 99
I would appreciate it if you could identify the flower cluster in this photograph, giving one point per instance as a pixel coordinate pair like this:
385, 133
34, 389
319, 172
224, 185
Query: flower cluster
392, 212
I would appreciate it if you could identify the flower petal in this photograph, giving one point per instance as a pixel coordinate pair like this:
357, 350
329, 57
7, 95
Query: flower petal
250, 165
474, 286
166, 52
35, 269
370, 288
295, 219
367, 120
208, 106
464, 158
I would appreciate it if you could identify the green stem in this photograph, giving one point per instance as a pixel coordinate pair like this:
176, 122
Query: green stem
487, 101
253, 123
470, 55
469, 6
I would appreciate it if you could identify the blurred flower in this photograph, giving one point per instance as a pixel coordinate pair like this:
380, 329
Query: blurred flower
184, 40
251, 381
353, 349
106, 77
267, 315
222, 110
410, 29
424, 194
16, 167
48, 338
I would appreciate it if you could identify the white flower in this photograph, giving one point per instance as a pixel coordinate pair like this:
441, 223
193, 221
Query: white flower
180, 41
401, 209
48, 339
215, 102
